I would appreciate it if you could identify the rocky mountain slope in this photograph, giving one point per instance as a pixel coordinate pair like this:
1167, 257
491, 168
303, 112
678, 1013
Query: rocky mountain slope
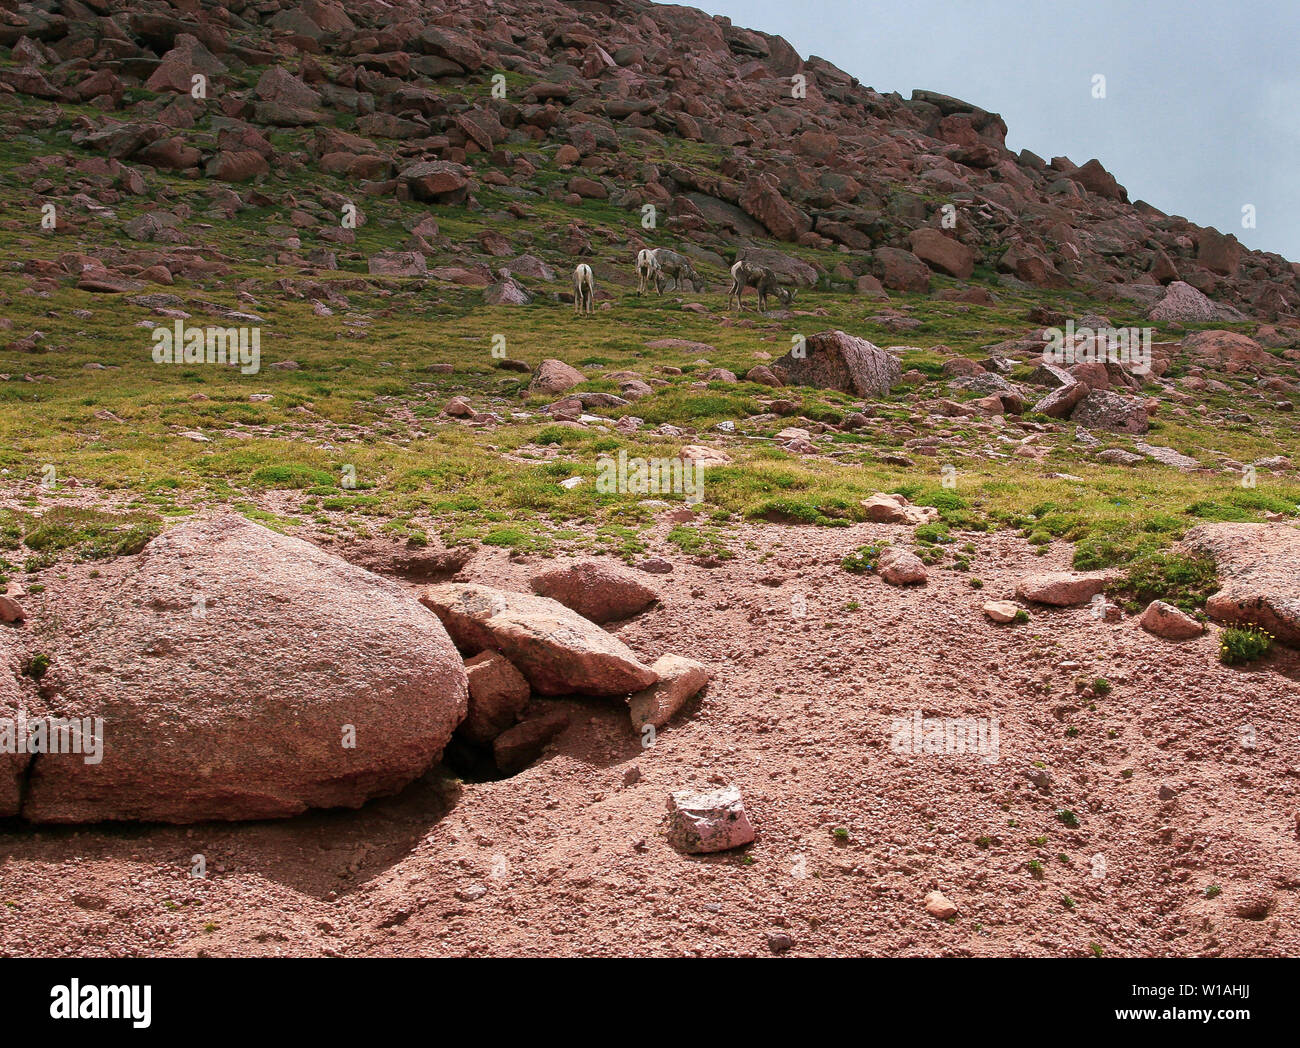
397, 100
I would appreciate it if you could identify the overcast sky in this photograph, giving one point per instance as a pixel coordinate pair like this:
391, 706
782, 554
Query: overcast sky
1202, 107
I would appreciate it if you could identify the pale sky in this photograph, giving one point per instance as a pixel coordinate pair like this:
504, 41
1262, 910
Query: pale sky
1202, 107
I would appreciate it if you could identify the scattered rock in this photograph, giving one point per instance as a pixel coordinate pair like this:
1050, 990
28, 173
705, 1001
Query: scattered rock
899, 567
937, 905
517, 747
699, 823
1001, 610
895, 509
1165, 620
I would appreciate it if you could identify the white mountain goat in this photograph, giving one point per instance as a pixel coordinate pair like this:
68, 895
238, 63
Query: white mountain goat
645, 269
744, 274
584, 289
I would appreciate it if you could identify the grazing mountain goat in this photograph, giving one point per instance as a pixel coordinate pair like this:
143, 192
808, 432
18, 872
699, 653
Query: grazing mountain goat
743, 274
645, 269
584, 288
669, 264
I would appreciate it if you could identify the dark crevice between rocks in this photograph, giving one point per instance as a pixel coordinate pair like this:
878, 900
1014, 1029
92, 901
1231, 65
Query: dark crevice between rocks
512, 751
25, 784
472, 762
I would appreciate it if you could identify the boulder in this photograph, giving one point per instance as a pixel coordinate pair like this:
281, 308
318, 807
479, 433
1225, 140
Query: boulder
278, 85
451, 45
761, 199
699, 823
895, 509
1219, 253
901, 270
1104, 409
1062, 401
595, 589
836, 360
1062, 589
1259, 567
506, 291
1226, 350
1096, 179
1165, 620
1183, 303
554, 377
498, 693
679, 679
559, 651
236, 165
943, 253
900, 567
242, 674
436, 181
398, 264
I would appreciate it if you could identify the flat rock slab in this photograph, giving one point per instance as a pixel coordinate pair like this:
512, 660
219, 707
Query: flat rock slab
559, 651
1259, 567
679, 679
1167, 456
241, 674
1062, 589
595, 589
699, 823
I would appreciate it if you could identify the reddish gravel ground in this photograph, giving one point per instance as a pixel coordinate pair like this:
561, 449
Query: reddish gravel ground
1183, 778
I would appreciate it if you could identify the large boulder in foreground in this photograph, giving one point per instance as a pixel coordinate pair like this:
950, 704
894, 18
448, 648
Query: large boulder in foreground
559, 651
233, 668
836, 360
595, 589
1259, 567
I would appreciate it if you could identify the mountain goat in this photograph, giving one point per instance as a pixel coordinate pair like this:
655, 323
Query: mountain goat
584, 289
669, 264
645, 269
744, 274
